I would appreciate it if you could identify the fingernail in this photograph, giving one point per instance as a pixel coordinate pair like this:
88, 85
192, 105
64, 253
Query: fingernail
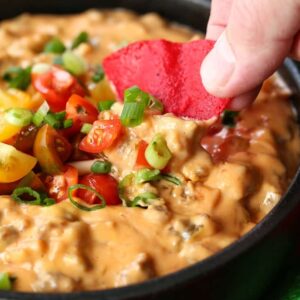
218, 66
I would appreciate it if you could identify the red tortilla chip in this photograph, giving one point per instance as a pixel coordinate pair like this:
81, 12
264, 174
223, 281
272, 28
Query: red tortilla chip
170, 72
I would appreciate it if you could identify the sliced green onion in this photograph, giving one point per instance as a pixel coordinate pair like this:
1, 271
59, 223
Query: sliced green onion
41, 68
98, 74
18, 116
135, 94
74, 63
82, 37
5, 282
40, 114
123, 184
40, 199
132, 114
144, 198
86, 128
229, 118
55, 46
60, 116
157, 153
105, 105
83, 207
171, 178
18, 78
52, 121
146, 175
67, 123
101, 167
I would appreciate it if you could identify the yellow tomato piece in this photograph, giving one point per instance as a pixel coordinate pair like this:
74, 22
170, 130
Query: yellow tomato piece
7, 130
14, 98
14, 164
101, 91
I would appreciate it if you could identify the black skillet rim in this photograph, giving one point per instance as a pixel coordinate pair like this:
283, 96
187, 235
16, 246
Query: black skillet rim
154, 286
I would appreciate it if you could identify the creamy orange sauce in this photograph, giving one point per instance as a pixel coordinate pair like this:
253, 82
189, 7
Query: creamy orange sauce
61, 248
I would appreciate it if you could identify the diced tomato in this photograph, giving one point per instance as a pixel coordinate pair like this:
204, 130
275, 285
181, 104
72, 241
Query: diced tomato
57, 86
7, 188
80, 111
25, 139
105, 185
51, 149
141, 159
58, 185
102, 136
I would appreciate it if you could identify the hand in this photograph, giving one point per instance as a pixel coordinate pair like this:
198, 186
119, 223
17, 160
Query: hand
253, 38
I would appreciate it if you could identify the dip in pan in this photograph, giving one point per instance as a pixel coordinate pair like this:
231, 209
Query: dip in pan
92, 199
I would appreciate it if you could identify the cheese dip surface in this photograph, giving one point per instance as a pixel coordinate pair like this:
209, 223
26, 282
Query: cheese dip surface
217, 180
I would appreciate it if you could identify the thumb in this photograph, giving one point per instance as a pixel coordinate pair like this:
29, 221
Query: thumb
258, 36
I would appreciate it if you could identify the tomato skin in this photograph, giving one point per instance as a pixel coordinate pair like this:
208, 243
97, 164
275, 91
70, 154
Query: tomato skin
105, 185
25, 139
58, 185
102, 136
51, 149
56, 86
141, 159
80, 111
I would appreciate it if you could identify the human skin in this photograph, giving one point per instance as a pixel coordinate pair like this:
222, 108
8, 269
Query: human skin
253, 38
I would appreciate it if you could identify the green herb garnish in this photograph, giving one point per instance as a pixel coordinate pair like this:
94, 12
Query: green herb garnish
18, 78
82, 37
105, 105
101, 167
98, 74
55, 46
21, 195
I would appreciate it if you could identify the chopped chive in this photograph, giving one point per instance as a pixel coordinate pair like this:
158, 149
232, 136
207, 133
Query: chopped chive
101, 167
86, 128
132, 114
52, 121
40, 199
40, 114
83, 207
171, 178
135, 94
82, 37
105, 105
146, 175
60, 116
18, 77
68, 123
55, 46
98, 74
18, 116
229, 118
144, 198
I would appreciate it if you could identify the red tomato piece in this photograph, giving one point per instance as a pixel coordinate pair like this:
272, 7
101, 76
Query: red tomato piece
58, 185
141, 159
56, 86
102, 136
80, 111
170, 72
105, 185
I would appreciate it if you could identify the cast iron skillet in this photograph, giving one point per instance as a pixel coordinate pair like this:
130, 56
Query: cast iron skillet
243, 270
